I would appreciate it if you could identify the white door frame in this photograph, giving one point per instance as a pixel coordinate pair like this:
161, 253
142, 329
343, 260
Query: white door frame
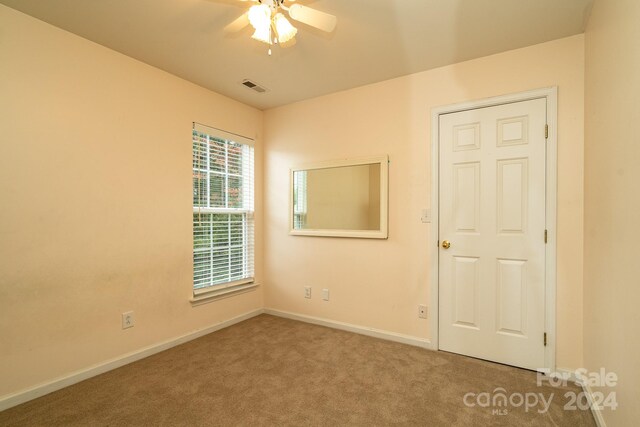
551, 96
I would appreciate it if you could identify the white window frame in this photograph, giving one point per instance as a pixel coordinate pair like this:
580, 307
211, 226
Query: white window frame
233, 287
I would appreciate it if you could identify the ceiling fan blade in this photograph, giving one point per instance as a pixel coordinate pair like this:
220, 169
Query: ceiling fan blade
238, 24
315, 18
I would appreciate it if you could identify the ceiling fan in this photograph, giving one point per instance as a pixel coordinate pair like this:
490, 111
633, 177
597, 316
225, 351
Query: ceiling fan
272, 27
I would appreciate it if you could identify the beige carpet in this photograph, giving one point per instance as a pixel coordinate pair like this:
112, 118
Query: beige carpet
269, 371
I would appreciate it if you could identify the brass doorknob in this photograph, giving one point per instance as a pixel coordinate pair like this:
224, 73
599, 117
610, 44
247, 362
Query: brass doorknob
446, 244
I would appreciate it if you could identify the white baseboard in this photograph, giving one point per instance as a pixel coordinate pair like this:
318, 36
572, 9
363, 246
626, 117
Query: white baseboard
596, 411
14, 399
363, 330
586, 388
569, 374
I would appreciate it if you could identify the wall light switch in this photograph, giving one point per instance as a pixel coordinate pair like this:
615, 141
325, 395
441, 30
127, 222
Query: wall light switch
426, 215
325, 294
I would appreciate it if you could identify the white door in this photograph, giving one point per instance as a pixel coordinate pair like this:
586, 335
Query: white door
492, 213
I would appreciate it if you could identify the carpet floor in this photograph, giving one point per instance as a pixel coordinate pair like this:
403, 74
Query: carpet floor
269, 371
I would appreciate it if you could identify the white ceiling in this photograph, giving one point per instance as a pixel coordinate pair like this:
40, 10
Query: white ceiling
374, 40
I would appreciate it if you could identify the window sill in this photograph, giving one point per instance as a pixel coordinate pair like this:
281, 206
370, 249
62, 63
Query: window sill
218, 294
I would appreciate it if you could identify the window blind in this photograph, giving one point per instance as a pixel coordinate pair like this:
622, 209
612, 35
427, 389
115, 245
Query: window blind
223, 210
299, 199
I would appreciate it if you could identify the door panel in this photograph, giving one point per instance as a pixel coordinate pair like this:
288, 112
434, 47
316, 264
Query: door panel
466, 184
466, 290
492, 210
512, 295
512, 195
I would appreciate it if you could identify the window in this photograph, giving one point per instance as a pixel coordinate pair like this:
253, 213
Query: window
300, 200
223, 212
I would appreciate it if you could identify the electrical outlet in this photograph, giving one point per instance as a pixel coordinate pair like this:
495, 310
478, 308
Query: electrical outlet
307, 291
128, 320
325, 294
422, 311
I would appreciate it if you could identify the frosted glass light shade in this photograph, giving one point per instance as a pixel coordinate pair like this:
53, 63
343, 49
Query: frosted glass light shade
285, 30
260, 16
263, 34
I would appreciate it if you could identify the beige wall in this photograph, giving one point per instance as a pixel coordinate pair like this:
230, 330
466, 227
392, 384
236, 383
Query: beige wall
612, 201
95, 194
379, 283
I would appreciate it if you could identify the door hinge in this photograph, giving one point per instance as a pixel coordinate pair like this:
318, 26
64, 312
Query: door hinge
545, 236
546, 131
545, 339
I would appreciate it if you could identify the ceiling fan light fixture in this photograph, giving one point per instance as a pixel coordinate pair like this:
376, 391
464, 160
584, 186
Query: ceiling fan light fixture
260, 17
285, 30
263, 34
271, 26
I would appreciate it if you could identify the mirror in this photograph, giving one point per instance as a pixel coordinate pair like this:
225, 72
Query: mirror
345, 198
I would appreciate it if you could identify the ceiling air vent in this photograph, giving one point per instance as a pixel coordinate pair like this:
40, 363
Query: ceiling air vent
254, 86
